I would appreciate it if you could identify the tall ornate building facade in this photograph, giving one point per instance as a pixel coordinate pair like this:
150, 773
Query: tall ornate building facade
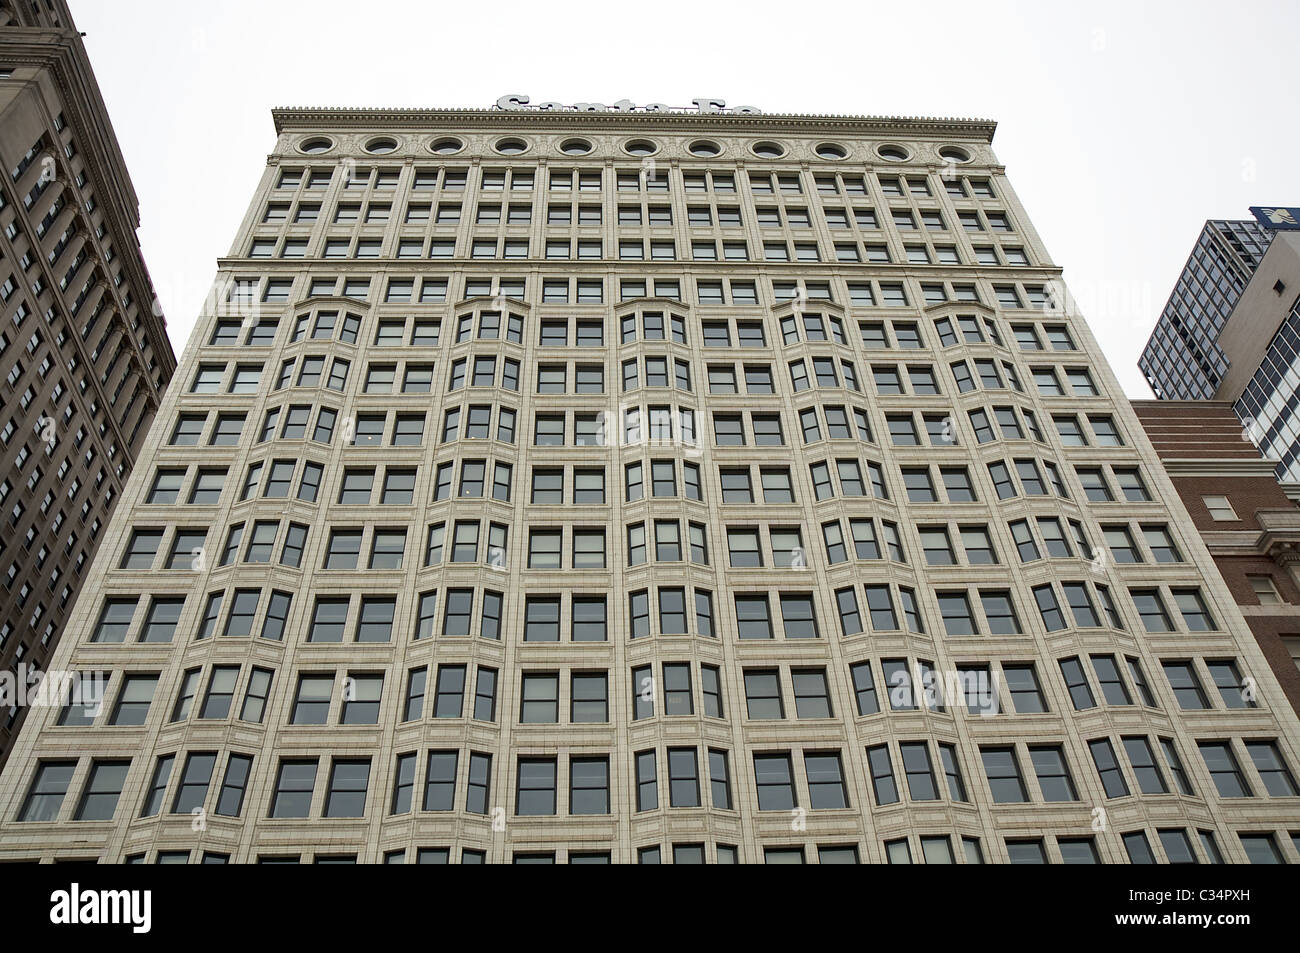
649, 486
83, 345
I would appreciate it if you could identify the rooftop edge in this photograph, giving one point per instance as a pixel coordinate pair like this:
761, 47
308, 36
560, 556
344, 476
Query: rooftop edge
305, 117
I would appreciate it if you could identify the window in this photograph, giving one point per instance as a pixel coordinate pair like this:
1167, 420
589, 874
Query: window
1103, 428
1003, 773
1078, 850
230, 797
1120, 542
1000, 612
884, 788
1185, 685
542, 619
647, 787
918, 771
1131, 485
536, 787
141, 550
312, 704
1026, 851
1195, 614
1265, 590
743, 546
114, 620
449, 692
588, 549
1219, 508
344, 549
1235, 691
589, 785
1151, 608
1054, 780
798, 617
221, 691
1108, 769
134, 698
704, 613
346, 796
763, 694
539, 700
672, 617
826, 787
1048, 608
544, 549
193, 788
403, 785
485, 688
1224, 769
667, 540
811, 694
157, 787
774, 780
589, 697
1143, 761
1260, 848
1113, 689
375, 621
49, 786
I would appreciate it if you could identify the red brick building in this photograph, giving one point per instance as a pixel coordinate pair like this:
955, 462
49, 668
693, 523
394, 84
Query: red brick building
1249, 522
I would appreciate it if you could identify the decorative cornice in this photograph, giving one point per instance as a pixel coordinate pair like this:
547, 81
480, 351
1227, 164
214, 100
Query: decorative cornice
332, 117
64, 56
792, 306
942, 307
636, 304
1284, 611
60, 52
1210, 467
500, 302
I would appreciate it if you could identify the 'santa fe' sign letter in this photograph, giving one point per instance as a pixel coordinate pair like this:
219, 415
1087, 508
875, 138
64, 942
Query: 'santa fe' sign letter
702, 104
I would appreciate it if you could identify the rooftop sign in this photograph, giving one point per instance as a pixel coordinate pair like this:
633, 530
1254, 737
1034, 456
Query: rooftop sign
701, 105
1275, 217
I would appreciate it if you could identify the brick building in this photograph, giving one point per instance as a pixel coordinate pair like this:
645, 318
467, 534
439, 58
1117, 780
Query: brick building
1249, 522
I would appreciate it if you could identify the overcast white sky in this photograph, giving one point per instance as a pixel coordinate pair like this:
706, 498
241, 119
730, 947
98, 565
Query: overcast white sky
1123, 126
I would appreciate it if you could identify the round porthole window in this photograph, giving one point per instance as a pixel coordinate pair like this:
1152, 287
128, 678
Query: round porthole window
511, 147
575, 147
381, 146
446, 145
768, 150
641, 147
954, 154
892, 153
316, 145
704, 148
831, 150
